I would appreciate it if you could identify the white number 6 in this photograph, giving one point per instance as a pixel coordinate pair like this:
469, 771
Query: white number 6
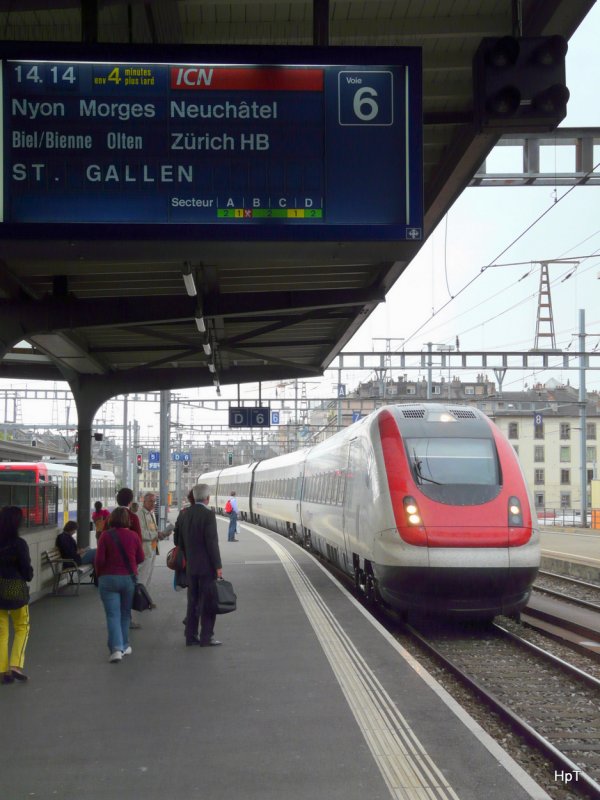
364, 106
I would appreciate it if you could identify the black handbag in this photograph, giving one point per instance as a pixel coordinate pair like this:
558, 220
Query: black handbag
226, 598
141, 596
14, 593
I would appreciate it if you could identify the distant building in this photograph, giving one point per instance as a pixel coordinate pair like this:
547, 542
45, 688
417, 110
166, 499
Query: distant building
550, 452
406, 390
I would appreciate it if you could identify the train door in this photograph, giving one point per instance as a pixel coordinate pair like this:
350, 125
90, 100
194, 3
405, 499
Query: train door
351, 507
251, 492
66, 499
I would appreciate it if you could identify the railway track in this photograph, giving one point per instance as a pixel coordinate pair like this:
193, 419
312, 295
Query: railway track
582, 593
568, 611
554, 706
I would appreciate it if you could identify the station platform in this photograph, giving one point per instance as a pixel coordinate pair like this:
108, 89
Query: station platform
572, 551
308, 697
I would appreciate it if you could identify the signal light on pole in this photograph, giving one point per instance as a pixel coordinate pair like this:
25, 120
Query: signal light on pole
139, 462
520, 84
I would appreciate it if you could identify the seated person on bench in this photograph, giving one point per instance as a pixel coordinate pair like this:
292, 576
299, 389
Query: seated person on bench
68, 546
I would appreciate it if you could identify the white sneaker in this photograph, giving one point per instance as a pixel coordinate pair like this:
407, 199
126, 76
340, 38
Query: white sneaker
128, 651
116, 655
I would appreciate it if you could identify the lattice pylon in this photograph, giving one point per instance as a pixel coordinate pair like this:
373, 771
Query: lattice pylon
544, 328
18, 411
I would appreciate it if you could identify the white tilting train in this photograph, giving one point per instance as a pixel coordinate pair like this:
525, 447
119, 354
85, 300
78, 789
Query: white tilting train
425, 505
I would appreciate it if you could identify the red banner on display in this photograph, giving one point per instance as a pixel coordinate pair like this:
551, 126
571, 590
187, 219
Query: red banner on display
258, 78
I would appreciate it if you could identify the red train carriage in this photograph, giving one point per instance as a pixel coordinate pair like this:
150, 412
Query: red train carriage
28, 486
46, 491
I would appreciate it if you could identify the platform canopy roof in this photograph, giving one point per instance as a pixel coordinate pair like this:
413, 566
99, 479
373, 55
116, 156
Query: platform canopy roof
116, 312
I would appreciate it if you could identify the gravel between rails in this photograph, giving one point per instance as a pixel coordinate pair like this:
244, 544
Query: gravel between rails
560, 703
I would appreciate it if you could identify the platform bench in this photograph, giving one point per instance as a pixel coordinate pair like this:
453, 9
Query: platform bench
65, 566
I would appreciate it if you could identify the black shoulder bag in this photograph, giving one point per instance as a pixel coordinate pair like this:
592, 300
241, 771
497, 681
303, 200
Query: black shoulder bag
141, 597
14, 592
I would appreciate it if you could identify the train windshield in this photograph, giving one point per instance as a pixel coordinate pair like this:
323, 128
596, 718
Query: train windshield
17, 476
453, 461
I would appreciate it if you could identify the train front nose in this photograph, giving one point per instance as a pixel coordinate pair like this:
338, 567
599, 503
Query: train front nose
475, 582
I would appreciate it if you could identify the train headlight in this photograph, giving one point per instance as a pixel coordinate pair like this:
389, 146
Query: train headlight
412, 511
515, 513
435, 415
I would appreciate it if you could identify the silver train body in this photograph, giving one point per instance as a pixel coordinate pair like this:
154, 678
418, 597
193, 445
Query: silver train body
472, 547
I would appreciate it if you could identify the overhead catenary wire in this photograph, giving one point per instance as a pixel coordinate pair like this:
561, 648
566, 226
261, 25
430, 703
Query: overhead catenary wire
493, 262
494, 298
560, 279
446, 254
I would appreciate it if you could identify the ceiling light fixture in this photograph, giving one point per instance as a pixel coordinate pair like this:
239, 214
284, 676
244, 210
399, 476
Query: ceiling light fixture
207, 348
188, 279
199, 317
211, 368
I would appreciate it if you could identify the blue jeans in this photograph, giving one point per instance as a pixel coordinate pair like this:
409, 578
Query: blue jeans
232, 526
116, 592
89, 556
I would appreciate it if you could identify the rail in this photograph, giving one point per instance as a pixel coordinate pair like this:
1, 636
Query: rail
586, 784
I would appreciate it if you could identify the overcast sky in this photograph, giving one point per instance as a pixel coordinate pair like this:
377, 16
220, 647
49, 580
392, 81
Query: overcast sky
498, 309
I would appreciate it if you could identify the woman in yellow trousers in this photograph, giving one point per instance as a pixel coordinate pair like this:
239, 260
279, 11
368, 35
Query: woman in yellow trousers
15, 572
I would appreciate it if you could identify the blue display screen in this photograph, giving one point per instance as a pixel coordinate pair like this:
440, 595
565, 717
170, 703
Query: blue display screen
214, 147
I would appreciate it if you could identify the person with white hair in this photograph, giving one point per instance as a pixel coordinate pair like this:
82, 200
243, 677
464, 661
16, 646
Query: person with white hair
196, 536
150, 537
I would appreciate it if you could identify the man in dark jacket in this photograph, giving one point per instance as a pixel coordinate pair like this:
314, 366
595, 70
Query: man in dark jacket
196, 535
68, 547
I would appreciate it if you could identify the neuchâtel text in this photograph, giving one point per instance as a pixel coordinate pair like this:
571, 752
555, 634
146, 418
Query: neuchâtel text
125, 111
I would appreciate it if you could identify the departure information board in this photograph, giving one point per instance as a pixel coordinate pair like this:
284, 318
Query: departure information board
224, 145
